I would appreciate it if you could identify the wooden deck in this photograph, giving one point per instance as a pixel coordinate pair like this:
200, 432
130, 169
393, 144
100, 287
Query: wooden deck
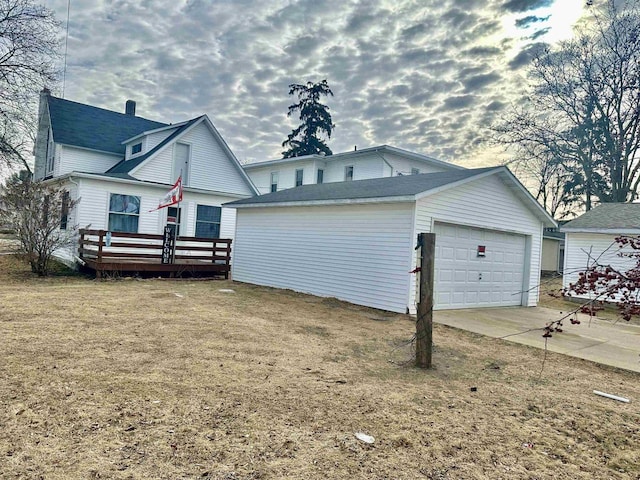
140, 253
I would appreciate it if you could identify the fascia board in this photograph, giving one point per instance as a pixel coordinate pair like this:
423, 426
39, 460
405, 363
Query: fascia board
345, 201
99, 177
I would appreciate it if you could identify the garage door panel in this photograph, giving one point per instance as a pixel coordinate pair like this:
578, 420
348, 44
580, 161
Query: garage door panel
466, 280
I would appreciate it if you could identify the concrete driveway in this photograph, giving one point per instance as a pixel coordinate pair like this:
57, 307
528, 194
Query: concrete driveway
602, 341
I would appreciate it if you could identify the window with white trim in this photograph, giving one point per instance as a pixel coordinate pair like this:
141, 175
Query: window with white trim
124, 212
299, 177
137, 148
174, 217
51, 154
208, 221
274, 182
64, 210
320, 177
348, 173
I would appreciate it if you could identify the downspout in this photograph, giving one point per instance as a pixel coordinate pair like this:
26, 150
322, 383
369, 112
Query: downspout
385, 161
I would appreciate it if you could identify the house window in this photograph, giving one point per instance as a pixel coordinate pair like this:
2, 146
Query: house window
137, 148
174, 217
124, 211
274, 181
320, 178
181, 157
208, 221
64, 210
51, 154
348, 173
415, 171
299, 175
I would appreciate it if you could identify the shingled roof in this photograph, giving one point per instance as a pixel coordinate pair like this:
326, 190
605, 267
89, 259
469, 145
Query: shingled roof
125, 166
618, 217
94, 128
400, 186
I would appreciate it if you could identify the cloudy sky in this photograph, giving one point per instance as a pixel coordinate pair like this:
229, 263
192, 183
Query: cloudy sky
425, 75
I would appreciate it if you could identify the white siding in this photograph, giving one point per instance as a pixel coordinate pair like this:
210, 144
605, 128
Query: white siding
485, 203
93, 209
261, 177
71, 159
210, 167
403, 165
154, 139
159, 169
367, 166
357, 253
581, 249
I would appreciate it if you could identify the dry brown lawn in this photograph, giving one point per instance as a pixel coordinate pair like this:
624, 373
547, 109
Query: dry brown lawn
169, 379
550, 297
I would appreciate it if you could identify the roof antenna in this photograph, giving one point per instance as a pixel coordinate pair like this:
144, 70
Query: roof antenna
66, 47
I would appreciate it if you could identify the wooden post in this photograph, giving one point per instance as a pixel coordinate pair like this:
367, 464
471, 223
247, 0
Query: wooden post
100, 245
424, 321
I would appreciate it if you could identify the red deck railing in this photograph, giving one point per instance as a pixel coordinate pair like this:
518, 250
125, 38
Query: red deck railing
142, 252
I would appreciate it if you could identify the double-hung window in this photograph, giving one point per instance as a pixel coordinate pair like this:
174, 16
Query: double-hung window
320, 177
174, 215
274, 182
124, 212
208, 221
64, 210
348, 173
299, 177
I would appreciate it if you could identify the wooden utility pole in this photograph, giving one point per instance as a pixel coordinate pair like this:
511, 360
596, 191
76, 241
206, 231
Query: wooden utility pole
424, 321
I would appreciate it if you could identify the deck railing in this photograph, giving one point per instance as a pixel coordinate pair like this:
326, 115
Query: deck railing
97, 247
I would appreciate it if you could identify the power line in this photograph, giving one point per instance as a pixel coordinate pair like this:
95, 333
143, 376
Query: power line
66, 47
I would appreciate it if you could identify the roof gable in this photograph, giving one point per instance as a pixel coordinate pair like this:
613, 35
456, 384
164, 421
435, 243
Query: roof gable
385, 187
616, 217
94, 128
126, 166
400, 188
357, 153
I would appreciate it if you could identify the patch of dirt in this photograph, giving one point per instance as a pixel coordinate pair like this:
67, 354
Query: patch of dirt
127, 380
551, 297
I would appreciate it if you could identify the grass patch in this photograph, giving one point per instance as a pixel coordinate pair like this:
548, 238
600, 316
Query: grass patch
163, 379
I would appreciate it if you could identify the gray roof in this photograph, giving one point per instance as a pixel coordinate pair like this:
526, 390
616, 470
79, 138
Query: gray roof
354, 153
95, 128
607, 216
401, 186
125, 166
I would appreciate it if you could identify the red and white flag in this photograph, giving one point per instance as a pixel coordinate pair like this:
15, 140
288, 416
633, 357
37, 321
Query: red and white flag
172, 197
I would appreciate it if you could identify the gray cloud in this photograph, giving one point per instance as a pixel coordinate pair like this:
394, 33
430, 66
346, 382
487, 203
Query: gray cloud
526, 55
525, 5
428, 76
529, 20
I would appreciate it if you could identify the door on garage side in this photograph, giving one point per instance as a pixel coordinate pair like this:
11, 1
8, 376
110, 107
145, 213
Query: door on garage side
467, 277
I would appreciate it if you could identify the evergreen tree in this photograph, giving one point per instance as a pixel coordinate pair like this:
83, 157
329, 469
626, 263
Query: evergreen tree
316, 121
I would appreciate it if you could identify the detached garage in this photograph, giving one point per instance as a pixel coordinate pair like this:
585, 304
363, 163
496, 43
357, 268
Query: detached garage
356, 240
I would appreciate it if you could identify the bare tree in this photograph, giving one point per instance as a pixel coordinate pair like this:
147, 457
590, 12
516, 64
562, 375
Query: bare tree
584, 106
39, 215
28, 55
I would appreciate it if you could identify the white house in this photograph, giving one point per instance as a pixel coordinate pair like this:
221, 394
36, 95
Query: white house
355, 240
591, 238
120, 165
375, 162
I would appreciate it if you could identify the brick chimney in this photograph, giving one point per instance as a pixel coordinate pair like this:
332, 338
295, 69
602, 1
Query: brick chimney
130, 108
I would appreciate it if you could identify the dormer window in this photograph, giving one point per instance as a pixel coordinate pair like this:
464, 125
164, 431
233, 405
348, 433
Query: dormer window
137, 148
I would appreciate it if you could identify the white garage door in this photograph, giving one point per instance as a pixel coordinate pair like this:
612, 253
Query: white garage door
465, 279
